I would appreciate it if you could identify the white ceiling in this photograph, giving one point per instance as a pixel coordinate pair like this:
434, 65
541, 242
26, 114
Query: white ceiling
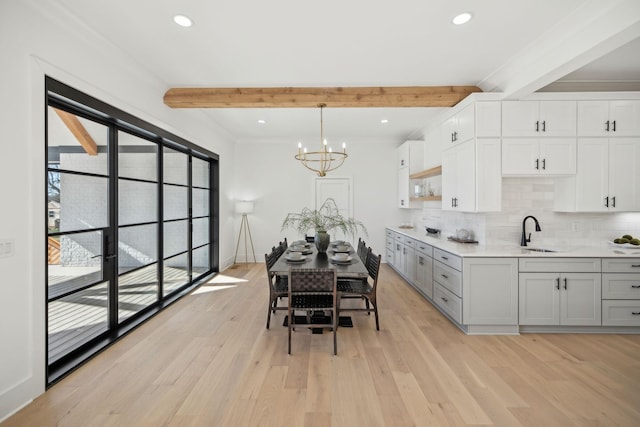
253, 43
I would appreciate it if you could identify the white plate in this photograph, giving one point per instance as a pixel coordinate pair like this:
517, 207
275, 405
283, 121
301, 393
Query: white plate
296, 260
624, 245
341, 261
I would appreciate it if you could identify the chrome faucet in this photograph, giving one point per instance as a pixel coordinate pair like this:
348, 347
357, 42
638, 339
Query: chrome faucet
524, 239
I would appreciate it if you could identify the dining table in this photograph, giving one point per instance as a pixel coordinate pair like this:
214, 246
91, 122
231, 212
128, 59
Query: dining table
352, 268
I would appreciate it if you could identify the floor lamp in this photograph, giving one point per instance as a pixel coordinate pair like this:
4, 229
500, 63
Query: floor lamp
244, 207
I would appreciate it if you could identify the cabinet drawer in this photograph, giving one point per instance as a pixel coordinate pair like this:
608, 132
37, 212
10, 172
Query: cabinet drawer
621, 313
389, 256
560, 265
408, 241
621, 286
449, 303
423, 248
448, 277
398, 237
389, 243
621, 265
448, 259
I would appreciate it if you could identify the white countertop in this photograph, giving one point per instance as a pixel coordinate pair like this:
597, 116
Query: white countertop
487, 250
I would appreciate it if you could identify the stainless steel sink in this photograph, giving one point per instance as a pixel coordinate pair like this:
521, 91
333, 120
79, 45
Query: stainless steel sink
539, 250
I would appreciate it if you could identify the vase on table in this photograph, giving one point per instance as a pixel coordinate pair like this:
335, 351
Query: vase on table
321, 240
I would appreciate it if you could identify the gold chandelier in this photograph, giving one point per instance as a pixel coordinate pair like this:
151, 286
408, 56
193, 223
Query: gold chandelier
324, 160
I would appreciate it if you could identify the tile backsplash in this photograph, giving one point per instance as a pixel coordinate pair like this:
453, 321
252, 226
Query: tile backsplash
531, 196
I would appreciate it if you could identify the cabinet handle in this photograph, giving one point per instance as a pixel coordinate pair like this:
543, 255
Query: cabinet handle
614, 125
456, 199
635, 265
636, 313
565, 283
452, 137
401, 202
401, 162
606, 202
544, 164
446, 300
544, 126
445, 276
537, 126
537, 164
558, 283
607, 126
635, 286
444, 257
613, 202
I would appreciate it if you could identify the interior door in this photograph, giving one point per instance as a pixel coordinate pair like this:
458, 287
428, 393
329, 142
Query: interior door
338, 189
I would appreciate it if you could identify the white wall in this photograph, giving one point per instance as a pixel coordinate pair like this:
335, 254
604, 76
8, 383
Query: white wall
38, 38
268, 173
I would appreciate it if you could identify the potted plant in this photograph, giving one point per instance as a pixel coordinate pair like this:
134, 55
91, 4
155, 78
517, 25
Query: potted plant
323, 220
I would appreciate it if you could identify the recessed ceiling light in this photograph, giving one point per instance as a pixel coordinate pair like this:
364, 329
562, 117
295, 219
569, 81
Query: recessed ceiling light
183, 21
260, 121
384, 121
463, 18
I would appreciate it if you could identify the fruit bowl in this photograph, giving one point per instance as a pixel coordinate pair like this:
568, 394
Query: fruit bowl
624, 245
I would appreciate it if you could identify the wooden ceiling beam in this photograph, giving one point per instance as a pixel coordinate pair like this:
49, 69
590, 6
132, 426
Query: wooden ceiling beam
79, 131
311, 97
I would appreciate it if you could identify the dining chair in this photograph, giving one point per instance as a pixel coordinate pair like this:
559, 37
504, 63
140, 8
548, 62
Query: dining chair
312, 290
362, 250
277, 285
362, 288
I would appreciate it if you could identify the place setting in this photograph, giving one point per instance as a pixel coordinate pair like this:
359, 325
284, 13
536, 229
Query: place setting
303, 248
341, 258
295, 257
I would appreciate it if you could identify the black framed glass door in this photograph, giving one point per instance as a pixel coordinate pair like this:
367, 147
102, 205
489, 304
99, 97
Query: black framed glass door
131, 223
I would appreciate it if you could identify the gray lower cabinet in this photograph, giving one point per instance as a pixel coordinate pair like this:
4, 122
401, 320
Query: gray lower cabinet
490, 291
558, 296
621, 292
447, 283
424, 269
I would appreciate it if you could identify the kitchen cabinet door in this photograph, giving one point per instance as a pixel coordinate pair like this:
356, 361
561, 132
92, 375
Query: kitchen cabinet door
581, 299
539, 299
490, 291
519, 156
557, 156
592, 177
624, 174
538, 118
609, 118
424, 274
466, 177
403, 188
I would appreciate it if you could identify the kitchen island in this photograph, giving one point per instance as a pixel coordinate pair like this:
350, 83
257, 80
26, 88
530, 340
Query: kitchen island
509, 289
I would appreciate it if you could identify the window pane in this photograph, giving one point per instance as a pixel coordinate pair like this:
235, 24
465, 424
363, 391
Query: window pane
137, 290
137, 202
74, 261
176, 273
75, 319
200, 170
137, 246
137, 157
176, 234
80, 204
176, 202
200, 202
175, 167
200, 232
200, 261
86, 152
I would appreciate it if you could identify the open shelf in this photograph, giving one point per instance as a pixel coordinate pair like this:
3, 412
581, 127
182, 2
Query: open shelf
427, 199
427, 173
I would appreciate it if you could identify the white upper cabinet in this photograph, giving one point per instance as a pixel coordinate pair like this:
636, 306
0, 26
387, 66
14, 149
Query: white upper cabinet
607, 178
609, 118
479, 119
533, 156
410, 160
538, 118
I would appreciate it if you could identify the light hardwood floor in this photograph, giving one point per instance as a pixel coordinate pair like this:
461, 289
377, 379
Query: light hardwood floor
209, 361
